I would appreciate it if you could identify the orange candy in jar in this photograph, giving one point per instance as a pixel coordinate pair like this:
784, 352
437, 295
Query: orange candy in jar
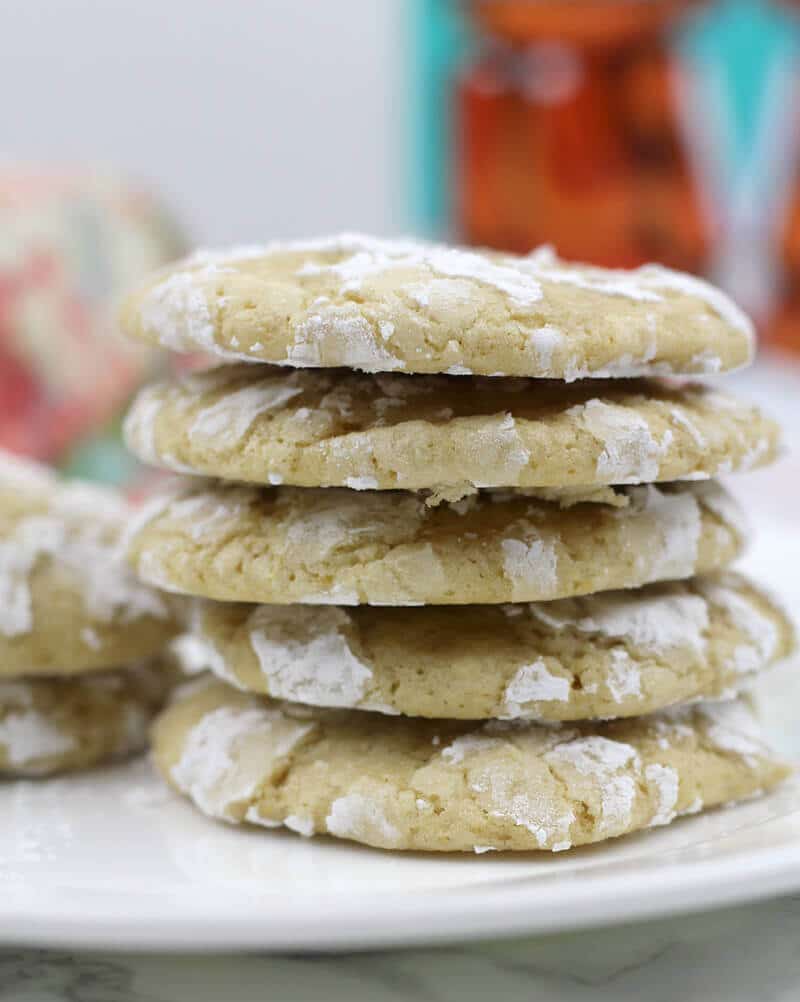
783, 328
568, 133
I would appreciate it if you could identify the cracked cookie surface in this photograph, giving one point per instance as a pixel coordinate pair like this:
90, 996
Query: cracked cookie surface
614, 654
336, 428
384, 305
445, 786
340, 547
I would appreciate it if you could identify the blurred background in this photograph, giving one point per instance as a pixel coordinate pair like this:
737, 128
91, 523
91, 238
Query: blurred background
620, 131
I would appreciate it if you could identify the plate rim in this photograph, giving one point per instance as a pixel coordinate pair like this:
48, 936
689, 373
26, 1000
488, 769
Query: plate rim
488, 910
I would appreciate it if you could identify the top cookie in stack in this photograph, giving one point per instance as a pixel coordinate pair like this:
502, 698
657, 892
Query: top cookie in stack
583, 473
388, 305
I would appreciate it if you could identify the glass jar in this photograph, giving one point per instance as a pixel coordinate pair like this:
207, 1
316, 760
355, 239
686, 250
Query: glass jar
783, 327
568, 132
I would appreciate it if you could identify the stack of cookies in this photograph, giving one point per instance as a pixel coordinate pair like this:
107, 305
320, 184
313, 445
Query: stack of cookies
79, 634
460, 571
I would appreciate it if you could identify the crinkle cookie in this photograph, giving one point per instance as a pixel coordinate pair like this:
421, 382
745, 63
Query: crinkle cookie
335, 546
614, 654
337, 428
68, 601
383, 305
50, 725
440, 785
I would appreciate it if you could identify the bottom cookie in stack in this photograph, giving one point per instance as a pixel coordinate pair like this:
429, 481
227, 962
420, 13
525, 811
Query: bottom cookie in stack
436, 785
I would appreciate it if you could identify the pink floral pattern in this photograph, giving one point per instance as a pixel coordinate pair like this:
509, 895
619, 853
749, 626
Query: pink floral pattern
70, 245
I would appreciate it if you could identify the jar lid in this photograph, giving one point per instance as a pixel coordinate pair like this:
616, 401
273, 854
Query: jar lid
584, 22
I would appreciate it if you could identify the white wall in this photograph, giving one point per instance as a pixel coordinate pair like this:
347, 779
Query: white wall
255, 118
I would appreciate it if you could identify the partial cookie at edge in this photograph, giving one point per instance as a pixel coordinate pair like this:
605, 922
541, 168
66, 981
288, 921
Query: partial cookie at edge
51, 725
70, 603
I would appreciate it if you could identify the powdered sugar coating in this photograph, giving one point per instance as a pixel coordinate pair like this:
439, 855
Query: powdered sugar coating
336, 546
361, 483
370, 256
656, 623
305, 655
548, 822
680, 418
609, 764
202, 654
520, 279
28, 736
759, 628
191, 653
677, 524
530, 560
356, 816
544, 342
468, 744
644, 284
667, 783
232, 416
499, 445
603, 656
665, 278
297, 823
410, 784
331, 427
755, 455
213, 768
337, 595
352, 296
352, 335
533, 683
252, 816
724, 505
630, 453
623, 678
90, 637
177, 308
732, 728
17, 558
77, 529
139, 425
52, 724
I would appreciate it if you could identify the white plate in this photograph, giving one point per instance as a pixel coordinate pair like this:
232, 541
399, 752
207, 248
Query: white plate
112, 860
109, 862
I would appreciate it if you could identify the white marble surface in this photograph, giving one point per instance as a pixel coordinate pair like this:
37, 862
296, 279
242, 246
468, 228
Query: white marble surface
735, 955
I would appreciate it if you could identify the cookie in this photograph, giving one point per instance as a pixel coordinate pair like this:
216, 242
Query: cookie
68, 601
398, 783
335, 428
335, 546
50, 725
384, 305
615, 654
